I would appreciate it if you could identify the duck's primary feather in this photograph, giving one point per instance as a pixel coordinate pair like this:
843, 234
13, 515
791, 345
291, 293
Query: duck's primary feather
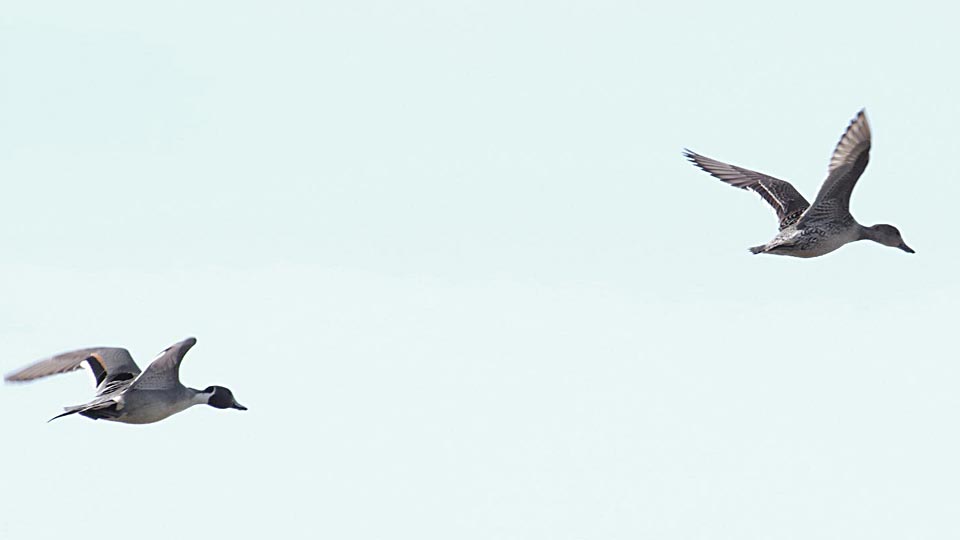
847, 164
786, 201
107, 363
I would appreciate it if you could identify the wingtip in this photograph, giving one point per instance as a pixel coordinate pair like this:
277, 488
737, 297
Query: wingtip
14, 376
860, 118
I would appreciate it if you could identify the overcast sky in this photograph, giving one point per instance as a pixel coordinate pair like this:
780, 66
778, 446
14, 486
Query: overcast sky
451, 258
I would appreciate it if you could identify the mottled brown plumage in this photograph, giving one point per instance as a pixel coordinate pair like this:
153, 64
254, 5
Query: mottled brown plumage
812, 230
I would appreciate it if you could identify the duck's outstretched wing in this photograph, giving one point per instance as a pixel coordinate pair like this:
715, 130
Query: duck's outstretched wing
108, 364
848, 162
164, 372
780, 194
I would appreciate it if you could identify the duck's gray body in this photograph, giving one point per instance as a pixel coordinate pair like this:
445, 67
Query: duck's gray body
132, 406
806, 242
811, 230
148, 406
124, 393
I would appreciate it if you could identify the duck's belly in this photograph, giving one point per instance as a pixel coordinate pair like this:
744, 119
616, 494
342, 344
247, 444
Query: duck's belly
150, 412
807, 244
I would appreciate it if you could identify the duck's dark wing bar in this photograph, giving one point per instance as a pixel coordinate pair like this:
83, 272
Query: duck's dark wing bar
848, 162
105, 363
164, 371
780, 194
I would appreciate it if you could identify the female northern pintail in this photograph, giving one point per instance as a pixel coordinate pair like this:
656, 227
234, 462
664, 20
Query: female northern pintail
812, 230
124, 393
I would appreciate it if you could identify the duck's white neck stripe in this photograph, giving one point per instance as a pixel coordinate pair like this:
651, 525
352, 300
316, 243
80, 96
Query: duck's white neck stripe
199, 398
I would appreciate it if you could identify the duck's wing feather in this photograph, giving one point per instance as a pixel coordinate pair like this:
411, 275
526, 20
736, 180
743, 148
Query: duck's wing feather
848, 162
164, 372
108, 364
780, 194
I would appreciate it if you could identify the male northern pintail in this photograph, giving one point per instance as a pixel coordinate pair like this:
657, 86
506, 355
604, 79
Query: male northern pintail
813, 230
124, 393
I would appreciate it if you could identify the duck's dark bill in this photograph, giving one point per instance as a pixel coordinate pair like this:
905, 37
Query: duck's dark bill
906, 248
239, 406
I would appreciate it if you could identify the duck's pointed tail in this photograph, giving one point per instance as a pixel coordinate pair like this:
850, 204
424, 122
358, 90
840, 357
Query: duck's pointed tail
756, 250
68, 412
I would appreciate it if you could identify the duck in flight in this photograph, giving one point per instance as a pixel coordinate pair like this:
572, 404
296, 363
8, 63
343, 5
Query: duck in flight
812, 230
126, 394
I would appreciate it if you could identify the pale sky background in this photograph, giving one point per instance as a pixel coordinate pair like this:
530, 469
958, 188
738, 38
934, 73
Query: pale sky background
450, 256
